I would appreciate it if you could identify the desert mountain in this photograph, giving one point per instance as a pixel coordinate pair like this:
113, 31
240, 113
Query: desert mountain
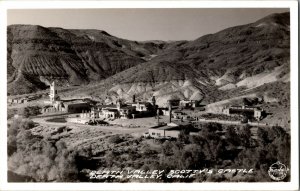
234, 61
37, 55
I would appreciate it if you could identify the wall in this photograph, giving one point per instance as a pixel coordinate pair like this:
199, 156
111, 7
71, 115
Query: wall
235, 122
173, 133
77, 120
156, 131
166, 112
77, 107
260, 124
220, 121
163, 133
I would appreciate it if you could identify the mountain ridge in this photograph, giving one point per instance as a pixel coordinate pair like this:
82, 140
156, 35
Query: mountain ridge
213, 63
72, 56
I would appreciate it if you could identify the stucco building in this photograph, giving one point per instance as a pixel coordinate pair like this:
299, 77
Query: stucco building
255, 112
54, 104
172, 130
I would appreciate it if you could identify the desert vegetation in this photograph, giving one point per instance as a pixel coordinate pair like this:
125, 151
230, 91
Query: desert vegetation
222, 117
215, 147
40, 158
29, 111
57, 120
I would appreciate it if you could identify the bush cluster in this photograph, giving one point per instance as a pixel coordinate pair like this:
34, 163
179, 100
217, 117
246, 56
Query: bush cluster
39, 158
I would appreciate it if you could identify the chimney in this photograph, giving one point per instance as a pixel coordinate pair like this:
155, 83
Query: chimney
133, 98
153, 101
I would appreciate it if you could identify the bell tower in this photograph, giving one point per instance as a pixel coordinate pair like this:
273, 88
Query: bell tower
53, 92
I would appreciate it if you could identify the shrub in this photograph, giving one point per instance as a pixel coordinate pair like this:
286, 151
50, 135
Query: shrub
27, 124
245, 136
18, 125
115, 139
167, 148
183, 136
149, 152
232, 136
43, 160
11, 113
29, 111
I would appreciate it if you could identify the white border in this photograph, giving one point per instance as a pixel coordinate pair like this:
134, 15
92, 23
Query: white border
293, 5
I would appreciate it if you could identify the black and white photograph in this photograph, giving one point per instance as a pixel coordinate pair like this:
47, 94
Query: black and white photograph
149, 95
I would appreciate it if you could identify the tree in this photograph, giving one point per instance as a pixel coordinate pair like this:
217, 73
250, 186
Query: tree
12, 137
110, 158
245, 136
183, 136
66, 164
13, 134
262, 136
232, 137
167, 148
49, 149
275, 132
41, 159
148, 152
27, 124
247, 158
29, 111
283, 144
24, 139
196, 139
211, 128
220, 150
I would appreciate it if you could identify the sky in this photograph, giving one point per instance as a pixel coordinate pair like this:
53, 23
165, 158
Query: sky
143, 24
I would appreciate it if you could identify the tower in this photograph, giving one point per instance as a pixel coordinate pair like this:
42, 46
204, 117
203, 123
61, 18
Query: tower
153, 101
53, 92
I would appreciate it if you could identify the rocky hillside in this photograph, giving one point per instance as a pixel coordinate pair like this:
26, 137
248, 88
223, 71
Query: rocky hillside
37, 55
230, 62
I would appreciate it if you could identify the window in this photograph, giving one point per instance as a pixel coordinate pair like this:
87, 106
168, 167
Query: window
153, 133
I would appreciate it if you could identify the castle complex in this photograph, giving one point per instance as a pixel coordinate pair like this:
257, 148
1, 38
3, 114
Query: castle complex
55, 104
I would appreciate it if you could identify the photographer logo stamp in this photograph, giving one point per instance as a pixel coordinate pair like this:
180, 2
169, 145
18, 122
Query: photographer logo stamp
277, 171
